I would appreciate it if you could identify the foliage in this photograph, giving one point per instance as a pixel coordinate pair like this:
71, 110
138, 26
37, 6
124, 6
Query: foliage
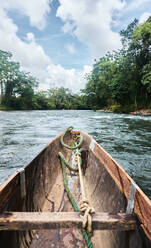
18, 90
146, 77
17, 87
62, 98
121, 80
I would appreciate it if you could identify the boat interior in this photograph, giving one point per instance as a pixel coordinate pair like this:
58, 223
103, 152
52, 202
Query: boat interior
40, 188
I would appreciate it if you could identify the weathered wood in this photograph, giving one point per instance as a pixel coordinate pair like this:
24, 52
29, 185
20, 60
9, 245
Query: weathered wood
56, 220
142, 204
107, 188
8, 188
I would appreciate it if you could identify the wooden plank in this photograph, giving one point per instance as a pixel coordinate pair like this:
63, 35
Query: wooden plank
56, 220
8, 188
142, 204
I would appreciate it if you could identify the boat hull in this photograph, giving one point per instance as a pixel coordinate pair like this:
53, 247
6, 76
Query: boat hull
40, 188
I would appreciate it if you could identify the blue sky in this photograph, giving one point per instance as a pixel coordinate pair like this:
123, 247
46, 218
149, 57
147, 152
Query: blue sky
58, 40
52, 38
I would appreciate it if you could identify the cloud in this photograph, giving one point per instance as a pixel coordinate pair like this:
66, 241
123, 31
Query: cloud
30, 55
30, 37
90, 21
144, 17
71, 49
33, 58
36, 10
71, 78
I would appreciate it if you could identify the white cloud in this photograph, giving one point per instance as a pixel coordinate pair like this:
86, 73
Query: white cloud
33, 58
30, 55
30, 37
36, 10
144, 17
71, 49
90, 21
71, 78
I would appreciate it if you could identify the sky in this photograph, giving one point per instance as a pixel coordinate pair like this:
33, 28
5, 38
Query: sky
57, 41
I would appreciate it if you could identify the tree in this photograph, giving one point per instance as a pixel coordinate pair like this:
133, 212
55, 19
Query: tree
4, 64
126, 34
97, 90
141, 42
123, 77
17, 87
60, 98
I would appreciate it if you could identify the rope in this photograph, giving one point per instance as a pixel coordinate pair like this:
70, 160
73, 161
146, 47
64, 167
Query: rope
73, 202
71, 198
87, 220
71, 147
84, 204
66, 163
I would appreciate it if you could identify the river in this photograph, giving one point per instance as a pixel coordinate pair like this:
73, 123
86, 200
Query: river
126, 137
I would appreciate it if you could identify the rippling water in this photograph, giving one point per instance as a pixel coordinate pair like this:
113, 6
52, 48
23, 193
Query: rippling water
126, 137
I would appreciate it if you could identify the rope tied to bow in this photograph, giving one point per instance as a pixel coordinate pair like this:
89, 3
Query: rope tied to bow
87, 219
85, 208
84, 204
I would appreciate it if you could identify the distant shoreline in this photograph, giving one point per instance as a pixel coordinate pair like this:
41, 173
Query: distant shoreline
146, 112
136, 112
141, 112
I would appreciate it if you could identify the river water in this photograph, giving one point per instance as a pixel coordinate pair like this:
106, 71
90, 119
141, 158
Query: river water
126, 137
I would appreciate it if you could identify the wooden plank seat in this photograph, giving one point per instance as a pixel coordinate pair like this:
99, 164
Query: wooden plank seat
56, 220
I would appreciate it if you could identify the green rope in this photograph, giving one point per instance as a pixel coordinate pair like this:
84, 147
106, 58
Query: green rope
73, 202
71, 198
63, 163
66, 163
71, 147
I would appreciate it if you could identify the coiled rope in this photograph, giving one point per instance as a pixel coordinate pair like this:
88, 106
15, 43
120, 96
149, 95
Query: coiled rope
71, 147
84, 204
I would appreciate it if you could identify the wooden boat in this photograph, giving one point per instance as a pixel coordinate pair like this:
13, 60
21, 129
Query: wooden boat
35, 210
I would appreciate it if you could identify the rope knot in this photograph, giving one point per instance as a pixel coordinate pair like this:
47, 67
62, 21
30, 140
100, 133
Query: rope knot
87, 220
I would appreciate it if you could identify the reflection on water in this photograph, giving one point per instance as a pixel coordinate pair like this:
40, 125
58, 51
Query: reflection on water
126, 137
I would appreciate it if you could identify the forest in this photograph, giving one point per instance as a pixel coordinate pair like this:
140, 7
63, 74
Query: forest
120, 81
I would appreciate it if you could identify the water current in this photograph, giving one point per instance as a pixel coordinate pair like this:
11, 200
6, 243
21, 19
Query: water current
126, 137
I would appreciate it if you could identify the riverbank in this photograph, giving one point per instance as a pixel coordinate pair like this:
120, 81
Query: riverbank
112, 109
5, 108
141, 112
136, 112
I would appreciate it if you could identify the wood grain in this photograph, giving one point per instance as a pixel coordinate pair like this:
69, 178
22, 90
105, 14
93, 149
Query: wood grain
142, 204
56, 220
8, 188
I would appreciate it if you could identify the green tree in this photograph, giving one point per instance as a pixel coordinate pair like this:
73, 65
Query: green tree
4, 64
17, 87
123, 77
141, 43
98, 87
